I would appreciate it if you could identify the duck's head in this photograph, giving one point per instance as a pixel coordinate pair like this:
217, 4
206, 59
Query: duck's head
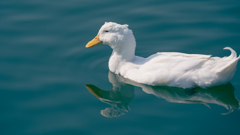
115, 35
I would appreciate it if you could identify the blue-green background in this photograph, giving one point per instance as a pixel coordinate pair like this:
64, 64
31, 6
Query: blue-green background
44, 65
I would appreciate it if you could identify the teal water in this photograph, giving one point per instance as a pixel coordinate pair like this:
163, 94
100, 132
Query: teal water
50, 84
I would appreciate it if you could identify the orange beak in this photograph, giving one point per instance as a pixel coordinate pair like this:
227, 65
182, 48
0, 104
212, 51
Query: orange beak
94, 42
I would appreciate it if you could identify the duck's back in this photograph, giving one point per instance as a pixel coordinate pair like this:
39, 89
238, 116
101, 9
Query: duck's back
173, 61
183, 70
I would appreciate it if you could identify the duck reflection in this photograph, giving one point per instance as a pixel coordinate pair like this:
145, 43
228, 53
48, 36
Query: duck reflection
123, 92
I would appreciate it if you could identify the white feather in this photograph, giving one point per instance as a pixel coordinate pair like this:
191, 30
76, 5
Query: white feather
165, 68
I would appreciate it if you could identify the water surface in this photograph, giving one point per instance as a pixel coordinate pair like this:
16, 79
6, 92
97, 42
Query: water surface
45, 68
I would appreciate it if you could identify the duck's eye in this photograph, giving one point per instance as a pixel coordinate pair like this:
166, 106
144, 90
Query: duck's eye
106, 31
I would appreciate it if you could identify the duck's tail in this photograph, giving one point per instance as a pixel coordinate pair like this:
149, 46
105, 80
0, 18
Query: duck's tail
233, 53
232, 60
228, 70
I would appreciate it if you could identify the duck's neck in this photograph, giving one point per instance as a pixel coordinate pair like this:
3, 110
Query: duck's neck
124, 53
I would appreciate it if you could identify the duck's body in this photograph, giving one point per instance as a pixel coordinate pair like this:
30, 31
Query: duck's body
176, 69
168, 68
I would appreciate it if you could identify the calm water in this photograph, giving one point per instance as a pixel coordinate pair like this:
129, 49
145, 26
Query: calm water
50, 84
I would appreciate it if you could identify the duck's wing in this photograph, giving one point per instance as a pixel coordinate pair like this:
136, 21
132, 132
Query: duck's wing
177, 54
173, 61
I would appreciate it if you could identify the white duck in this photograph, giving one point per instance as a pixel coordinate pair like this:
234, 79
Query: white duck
165, 68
